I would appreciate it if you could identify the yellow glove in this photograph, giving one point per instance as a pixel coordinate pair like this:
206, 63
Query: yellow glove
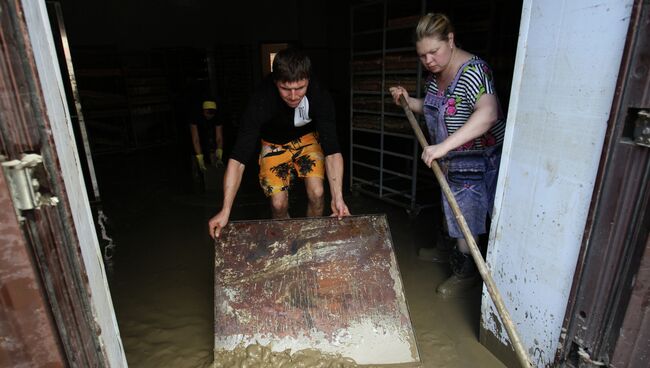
219, 155
200, 162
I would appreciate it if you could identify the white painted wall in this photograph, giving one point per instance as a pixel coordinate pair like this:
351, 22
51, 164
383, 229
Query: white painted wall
56, 108
567, 64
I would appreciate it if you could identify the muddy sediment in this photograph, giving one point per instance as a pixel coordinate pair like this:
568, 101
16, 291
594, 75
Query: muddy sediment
259, 356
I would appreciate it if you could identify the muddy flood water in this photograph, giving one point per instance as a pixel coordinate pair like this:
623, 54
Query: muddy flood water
162, 280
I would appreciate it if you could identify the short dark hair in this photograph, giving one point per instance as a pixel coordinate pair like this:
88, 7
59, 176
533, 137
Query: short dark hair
291, 65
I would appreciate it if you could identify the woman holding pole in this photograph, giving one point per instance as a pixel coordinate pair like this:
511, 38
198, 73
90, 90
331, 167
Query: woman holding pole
466, 125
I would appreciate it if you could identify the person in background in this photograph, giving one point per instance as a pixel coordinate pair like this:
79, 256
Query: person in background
291, 116
466, 123
207, 136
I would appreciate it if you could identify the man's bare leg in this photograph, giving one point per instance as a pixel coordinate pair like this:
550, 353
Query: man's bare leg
280, 205
315, 195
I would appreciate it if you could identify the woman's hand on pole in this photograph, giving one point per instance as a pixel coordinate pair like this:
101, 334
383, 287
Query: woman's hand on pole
397, 91
415, 104
433, 152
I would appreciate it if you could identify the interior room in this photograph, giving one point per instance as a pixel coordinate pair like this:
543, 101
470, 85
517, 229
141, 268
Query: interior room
127, 273
142, 67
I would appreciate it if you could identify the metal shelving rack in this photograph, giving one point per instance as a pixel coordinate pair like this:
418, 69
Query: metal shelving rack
384, 153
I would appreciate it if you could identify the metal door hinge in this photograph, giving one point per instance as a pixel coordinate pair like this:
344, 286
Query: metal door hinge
24, 185
642, 128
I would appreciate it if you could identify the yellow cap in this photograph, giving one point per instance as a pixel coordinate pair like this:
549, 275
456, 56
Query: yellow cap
207, 105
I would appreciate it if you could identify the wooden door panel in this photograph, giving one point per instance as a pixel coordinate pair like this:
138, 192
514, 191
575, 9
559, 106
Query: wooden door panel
29, 335
48, 233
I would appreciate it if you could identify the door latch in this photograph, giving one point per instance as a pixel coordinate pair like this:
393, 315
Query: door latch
642, 128
22, 178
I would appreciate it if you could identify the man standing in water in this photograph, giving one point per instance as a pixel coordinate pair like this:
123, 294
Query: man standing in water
294, 118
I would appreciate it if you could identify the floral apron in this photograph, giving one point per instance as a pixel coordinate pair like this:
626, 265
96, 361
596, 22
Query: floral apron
471, 174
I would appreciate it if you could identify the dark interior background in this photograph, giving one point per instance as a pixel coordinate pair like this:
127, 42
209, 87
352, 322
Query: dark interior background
143, 66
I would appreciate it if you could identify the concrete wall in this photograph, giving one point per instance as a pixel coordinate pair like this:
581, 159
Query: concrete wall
55, 104
567, 64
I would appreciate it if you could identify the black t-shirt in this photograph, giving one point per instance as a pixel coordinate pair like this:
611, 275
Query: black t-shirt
207, 130
268, 117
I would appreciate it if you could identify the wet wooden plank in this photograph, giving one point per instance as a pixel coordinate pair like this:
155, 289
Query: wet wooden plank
323, 283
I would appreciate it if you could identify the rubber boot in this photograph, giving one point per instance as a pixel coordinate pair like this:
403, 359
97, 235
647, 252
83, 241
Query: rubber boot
440, 253
464, 278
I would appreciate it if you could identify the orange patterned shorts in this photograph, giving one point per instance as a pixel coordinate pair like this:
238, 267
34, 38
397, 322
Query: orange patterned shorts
279, 163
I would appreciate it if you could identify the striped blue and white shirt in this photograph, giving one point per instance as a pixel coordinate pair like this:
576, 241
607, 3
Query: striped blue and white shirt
475, 80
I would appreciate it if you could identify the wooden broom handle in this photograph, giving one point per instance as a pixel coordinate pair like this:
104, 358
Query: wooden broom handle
476, 254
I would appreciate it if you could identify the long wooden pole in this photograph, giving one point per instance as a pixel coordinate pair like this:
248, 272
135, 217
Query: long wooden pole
476, 254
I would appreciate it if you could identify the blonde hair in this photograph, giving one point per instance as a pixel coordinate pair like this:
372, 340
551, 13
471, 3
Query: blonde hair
435, 25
